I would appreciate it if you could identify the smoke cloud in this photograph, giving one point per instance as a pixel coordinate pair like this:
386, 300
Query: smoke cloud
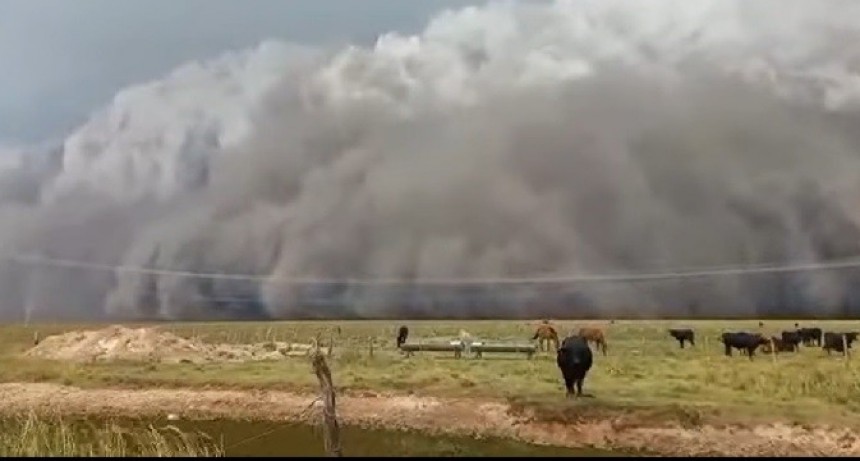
508, 140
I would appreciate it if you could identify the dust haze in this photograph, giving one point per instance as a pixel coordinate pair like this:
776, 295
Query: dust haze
506, 140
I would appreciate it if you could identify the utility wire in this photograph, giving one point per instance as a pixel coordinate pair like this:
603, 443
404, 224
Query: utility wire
849, 263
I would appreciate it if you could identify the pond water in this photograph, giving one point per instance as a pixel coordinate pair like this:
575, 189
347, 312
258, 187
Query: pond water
246, 438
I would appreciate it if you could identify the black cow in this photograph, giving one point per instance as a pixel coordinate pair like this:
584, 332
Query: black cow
776, 345
792, 337
574, 359
682, 335
402, 334
748, 342
833, 341
810, 336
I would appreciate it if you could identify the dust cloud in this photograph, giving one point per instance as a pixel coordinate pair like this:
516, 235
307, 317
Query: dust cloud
511, 139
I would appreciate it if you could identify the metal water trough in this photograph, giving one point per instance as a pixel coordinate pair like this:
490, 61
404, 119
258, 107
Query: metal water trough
456, 347
480, 348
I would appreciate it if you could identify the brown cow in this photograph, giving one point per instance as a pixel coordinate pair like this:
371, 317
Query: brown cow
546, 334
594, 335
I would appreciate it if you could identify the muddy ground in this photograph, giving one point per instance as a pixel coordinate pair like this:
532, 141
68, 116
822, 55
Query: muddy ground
434, 415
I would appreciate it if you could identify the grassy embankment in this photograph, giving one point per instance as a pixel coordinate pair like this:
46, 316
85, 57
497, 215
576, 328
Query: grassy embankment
644, 372
32, 436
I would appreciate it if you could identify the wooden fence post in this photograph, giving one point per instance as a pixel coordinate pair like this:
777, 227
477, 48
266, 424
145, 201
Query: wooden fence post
331, 429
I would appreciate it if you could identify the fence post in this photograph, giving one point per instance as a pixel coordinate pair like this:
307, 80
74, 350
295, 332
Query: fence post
773, 350
331, 430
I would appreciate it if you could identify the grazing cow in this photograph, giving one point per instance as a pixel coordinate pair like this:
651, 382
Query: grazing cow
402, 334
833, 341
545, 335
777, 345
594, 335
792, 337
683, 335
574, 359
810, 336
743, 341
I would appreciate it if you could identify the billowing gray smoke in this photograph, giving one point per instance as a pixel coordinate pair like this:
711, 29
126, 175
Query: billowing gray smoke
509, 140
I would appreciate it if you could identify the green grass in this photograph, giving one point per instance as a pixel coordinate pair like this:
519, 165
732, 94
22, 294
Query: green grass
645, 370
32, 436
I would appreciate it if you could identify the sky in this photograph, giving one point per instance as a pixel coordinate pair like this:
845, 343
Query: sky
62, 59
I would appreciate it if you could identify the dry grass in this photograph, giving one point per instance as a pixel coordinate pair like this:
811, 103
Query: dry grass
645, 369
36, 437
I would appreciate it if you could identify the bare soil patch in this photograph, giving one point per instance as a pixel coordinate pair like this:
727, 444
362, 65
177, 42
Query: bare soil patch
435, 415
152, 345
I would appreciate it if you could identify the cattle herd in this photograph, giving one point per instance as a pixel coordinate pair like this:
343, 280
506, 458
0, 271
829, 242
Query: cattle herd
788, 341
574, 357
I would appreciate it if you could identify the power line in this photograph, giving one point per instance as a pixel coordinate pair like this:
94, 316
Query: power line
547, 279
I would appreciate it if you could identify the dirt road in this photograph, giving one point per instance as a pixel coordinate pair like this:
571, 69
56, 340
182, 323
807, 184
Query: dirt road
433, 415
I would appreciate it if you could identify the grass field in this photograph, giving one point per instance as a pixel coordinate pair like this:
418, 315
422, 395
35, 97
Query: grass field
644, 370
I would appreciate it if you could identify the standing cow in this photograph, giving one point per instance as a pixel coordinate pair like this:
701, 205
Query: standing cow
574, 359
682, 335
743, 341
402, 334
546, 336
811, 336
594, 335
792, 337
833, 341
777, 345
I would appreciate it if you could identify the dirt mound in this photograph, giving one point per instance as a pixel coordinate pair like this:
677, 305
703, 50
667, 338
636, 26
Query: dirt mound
151, 345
